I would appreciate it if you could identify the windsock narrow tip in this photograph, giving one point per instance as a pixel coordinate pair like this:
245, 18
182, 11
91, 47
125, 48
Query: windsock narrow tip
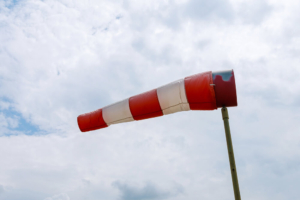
91, 121
225, 89
82, 122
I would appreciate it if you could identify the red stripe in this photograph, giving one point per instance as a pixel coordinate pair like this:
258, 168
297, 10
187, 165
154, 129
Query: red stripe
145, 105
199, 91
91, 121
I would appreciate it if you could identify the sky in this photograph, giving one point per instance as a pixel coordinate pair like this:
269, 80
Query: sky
59, 59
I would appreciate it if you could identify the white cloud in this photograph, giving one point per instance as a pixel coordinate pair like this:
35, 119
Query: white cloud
62, 196
148, 191
63, 58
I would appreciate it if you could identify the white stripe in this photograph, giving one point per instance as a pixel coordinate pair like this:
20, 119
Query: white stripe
172, 97
185, 106
117, 113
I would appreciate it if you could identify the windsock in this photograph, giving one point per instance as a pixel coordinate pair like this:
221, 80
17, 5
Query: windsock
203, 91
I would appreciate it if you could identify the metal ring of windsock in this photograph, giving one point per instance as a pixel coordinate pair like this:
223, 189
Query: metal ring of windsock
203, 91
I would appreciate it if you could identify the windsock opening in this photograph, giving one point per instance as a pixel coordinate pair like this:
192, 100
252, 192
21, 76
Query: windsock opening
225, 90
203, 91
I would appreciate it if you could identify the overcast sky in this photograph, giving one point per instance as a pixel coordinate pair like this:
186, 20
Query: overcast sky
59, 59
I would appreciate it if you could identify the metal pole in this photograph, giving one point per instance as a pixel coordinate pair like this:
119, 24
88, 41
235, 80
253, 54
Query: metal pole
231, 155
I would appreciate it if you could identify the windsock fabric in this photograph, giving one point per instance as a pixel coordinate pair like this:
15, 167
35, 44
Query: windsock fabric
191, 93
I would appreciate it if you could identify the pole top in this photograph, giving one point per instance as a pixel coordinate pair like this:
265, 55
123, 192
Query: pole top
225, 113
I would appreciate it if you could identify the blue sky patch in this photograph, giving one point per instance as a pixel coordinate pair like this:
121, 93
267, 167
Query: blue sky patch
11, 3
16, 122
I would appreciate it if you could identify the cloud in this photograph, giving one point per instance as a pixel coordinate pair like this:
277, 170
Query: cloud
148, 191
1, 189
209, 9
62, 196
254, 12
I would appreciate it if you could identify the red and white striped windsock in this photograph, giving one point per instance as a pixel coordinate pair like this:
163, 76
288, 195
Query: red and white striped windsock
204, 91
